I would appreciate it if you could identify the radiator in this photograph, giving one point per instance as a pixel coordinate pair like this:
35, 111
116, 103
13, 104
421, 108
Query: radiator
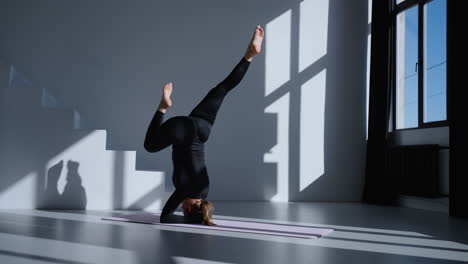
415, 169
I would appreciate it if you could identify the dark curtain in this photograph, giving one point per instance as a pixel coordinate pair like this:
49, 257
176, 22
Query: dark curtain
458, 120
379, 187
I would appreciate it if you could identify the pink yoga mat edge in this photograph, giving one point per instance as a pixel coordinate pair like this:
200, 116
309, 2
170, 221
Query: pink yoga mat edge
255, 227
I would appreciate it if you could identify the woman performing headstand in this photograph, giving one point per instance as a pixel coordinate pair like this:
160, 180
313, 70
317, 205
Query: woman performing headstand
187, 135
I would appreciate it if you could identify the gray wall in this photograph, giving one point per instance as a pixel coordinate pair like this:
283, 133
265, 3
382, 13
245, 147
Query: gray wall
109, 60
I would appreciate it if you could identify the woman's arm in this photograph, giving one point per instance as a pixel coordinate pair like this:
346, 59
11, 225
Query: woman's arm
167, 214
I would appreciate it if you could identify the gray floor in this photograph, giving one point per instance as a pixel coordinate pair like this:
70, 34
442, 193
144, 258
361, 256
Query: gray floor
364, 234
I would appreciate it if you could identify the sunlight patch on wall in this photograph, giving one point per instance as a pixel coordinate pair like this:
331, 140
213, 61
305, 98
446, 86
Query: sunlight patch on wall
93, 171
141, 183
313, 32
278, 49
312, 130
280, 152
96, 176
14, 195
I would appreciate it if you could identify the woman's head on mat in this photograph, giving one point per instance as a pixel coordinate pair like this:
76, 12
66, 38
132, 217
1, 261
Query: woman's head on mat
198, 211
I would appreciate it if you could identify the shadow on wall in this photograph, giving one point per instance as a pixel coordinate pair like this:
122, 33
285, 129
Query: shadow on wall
73, 195
110, 60
35, 141
31, 136
306, 130
341, 73
315, 82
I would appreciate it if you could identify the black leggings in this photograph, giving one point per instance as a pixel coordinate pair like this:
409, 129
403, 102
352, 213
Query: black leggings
187, 135
179, 130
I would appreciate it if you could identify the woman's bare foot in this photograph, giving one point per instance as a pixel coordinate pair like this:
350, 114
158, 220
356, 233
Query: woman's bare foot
255, 45
166, 98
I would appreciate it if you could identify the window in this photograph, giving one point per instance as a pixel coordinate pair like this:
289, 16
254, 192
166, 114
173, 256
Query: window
420, 95
435, 57
407, 68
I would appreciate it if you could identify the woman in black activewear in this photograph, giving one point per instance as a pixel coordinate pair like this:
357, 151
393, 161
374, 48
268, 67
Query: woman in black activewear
187, 135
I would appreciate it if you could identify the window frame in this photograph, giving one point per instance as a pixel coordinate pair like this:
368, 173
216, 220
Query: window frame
397, 9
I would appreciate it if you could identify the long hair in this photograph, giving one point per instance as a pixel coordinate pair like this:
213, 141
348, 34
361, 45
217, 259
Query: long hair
202, 212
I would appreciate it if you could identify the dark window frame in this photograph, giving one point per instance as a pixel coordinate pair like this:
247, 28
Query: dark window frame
398, 8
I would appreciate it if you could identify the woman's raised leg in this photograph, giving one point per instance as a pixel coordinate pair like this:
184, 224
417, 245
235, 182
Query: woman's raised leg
210, 104
176, 130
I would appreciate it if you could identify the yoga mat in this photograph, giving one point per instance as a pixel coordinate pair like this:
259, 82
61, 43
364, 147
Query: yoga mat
233, 226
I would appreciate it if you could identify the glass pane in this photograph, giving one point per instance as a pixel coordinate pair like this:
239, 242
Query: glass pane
406, 70
435, 57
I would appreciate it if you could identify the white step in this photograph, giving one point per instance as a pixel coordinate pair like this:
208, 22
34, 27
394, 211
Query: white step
102, 179
49, 162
